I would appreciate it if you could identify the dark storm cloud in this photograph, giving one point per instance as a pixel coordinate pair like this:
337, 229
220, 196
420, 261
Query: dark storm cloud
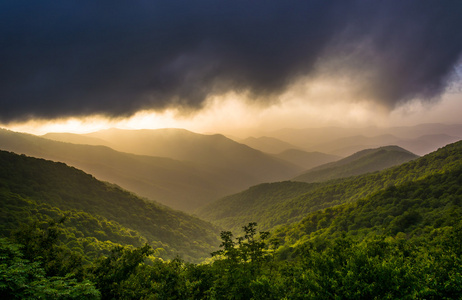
63, 58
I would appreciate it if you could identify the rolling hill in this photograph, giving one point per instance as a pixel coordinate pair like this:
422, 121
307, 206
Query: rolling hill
312, 197
182, 185
267, 144
216, 151
420, 145
419, 139
347, 146
99, 215
365, 161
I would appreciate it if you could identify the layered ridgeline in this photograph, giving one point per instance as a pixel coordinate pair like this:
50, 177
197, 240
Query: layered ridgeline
177, 184
419, 139
365, 161
421, 145
307, 160
280, 203
98, 215
184, 185
214, 150
402, 242
268, 144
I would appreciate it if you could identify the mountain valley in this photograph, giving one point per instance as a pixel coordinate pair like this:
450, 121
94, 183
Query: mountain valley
385, 208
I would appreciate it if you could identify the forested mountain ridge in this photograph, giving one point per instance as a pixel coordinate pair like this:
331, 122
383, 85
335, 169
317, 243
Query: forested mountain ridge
401, 242
36, 189
365, 161
178, 184
214, 150
234, 210
317, 196
415, 208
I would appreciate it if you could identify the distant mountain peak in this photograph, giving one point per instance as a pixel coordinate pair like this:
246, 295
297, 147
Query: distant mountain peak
361, 162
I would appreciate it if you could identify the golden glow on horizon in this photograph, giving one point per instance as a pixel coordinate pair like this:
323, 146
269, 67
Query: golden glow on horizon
307, 103
71, 125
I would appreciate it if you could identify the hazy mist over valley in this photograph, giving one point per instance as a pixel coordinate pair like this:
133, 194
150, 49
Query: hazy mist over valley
231, 150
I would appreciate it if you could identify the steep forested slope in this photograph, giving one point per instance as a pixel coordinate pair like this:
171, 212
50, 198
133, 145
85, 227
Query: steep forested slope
401, 242
365, 161
327, 194
36, 189
233, 211
415, 208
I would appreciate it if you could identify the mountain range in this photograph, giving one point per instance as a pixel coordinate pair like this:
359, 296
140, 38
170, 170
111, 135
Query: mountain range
307, 160
423, 201
352, 231
216, 150
182, 183
74, 236
365, 161
419, 139
268, 144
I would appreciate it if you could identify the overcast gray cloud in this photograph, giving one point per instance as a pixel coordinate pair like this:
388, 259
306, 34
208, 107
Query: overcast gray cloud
71, 58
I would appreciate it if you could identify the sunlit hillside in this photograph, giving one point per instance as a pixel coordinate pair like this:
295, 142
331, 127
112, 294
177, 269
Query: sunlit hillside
286, 202
98, 216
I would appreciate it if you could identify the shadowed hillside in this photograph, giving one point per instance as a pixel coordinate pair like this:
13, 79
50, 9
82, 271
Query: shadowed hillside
305, 159
36, 190
177, 184
183, 185
215, 150
267, 144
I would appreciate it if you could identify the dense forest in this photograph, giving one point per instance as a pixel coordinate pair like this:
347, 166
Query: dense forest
32, 266
97, 213
276, 204
393, 234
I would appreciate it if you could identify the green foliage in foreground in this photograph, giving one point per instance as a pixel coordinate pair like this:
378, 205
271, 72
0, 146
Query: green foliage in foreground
247, 268
402, 242
27, 279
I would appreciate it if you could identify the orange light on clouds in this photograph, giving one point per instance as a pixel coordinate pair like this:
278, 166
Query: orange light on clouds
307, 103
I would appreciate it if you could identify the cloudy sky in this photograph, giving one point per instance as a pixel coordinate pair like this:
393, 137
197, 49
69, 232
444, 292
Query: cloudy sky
221, 65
